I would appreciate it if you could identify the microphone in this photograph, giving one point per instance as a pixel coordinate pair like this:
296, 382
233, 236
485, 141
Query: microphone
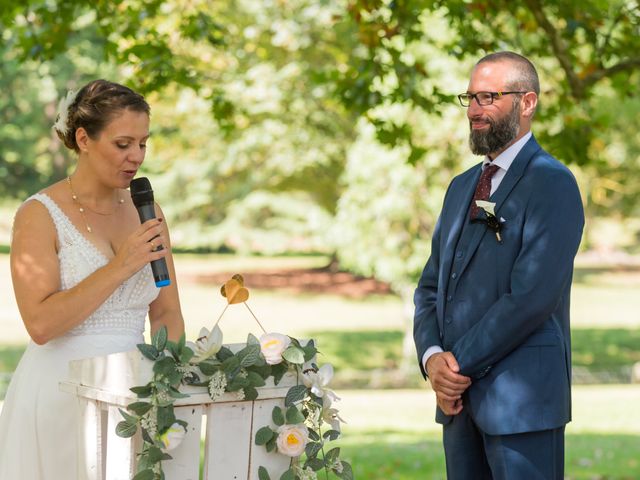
142, 196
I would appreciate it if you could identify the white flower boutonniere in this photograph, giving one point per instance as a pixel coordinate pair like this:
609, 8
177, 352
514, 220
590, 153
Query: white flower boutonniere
491, 220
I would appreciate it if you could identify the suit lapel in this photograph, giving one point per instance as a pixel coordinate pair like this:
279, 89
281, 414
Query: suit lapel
513, 175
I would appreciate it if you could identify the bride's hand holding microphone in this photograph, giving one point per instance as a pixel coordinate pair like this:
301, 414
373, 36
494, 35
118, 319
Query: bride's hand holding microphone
145, 244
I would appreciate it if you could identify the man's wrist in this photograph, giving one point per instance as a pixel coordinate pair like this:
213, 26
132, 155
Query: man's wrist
430, 351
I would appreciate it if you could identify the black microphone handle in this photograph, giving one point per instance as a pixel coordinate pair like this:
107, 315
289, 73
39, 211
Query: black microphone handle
146, 211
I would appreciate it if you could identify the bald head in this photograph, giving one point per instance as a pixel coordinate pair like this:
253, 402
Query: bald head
521, 77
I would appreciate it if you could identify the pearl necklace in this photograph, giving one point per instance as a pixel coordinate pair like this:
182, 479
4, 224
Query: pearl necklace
82, 207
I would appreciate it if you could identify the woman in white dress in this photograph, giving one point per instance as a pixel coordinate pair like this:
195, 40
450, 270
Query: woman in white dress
81, 275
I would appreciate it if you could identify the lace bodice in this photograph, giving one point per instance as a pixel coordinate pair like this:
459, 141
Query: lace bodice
126, 309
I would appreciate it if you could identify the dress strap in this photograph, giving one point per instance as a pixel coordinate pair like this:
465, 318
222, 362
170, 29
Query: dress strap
60, 220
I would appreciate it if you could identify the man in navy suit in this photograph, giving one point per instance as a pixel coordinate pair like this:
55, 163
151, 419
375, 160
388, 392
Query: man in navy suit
492, 305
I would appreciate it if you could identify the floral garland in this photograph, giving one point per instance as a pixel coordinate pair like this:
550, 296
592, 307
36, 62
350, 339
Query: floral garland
297, 430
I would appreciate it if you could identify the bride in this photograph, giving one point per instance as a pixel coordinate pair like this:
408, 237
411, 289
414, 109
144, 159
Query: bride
81, 275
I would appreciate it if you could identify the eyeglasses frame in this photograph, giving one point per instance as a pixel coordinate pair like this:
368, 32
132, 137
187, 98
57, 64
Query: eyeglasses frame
494, 95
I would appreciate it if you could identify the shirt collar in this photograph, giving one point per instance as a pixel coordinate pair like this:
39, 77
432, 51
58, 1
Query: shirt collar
506, 158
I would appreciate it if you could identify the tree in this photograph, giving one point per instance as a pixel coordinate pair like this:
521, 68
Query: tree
363, 58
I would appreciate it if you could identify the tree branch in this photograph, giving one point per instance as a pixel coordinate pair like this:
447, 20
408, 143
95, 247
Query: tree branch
623, 66
558, 46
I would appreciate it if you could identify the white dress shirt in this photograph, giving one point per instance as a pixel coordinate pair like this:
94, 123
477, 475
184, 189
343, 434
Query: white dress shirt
504, 161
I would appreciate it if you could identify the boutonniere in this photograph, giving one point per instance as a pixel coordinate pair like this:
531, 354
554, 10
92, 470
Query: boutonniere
491, 220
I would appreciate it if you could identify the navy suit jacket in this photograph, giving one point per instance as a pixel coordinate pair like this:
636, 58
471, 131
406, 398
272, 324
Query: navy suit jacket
502, 309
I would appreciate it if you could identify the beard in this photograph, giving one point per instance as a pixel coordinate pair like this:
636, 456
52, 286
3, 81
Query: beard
500, 133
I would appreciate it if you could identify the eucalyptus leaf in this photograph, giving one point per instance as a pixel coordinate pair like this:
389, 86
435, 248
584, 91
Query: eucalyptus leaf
145, 436
294, 355
148, 351
263, 474
263, 435
144, 475
255, 379
208, 367
277, 416
332, 456
331, 435
174, 393
159, 339
165, 366
166, 417
295, 395
139, 408
224, 354
143, 462
175, 377
294, 416
346, 473
173, 348
263, 370
314, 464
231, 366
186, 354
250, 393
271, 444
312, 449
249, 355
278, 372
125, 429
237, 383
142, 391
155, 454
128, 417
309, 353
288, 475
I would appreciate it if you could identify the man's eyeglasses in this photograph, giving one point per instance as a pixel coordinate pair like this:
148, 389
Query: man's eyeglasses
483, 98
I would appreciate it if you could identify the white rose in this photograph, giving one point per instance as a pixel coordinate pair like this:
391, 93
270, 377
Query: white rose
272, 346
292, 439
173, 437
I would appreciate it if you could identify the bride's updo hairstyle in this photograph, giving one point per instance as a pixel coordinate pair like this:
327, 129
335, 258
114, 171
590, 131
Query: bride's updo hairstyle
93, 107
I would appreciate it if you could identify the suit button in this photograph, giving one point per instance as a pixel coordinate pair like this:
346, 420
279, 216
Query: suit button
449, 298
459, 254
454, 275
448, 319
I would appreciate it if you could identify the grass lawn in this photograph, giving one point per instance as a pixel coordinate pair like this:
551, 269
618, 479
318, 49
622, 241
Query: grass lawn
391, 435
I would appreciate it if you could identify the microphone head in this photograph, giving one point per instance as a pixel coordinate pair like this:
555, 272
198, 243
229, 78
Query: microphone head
141, 191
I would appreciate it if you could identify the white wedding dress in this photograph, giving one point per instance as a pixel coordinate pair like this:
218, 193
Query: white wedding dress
38, 423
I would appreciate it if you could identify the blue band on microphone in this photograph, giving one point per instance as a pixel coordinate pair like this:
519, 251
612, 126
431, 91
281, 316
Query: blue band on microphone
163, 283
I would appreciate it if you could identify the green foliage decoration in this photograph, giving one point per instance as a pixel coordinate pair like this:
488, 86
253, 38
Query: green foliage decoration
241, 372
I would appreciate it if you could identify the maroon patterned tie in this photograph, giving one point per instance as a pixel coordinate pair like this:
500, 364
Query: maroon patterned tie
483, 189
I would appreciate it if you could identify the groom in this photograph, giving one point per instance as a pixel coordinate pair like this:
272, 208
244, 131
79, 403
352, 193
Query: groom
492, 305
